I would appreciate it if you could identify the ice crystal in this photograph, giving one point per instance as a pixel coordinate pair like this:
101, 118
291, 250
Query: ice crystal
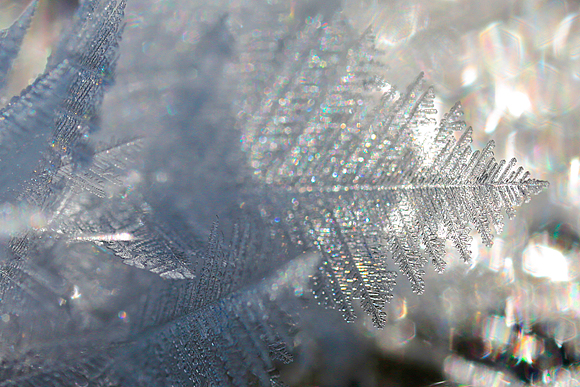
113, 284
11, 39
364, 174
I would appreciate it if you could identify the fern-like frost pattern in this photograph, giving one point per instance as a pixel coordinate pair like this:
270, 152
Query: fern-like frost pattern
364, 174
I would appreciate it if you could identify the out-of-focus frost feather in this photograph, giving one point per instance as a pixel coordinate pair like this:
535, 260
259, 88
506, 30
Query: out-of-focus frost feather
26, 127
179, 332
10, 40
126, 227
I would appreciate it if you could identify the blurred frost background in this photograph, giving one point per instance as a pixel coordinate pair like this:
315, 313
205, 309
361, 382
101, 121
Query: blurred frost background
513, 316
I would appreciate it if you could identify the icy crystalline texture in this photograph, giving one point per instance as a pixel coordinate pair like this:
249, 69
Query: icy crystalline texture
34, 295
231, 338
221, 290
28, 124
362, 172
224, 329
124, 227
228, 343
11, 39
231, 343
108, 162
91, 47
25, 130
43, 127
344, 164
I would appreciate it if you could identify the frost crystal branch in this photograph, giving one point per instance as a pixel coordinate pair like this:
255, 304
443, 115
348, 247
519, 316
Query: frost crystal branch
362, 173
11, 39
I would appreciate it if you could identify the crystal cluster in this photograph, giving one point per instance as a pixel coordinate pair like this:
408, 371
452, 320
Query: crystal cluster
302, 145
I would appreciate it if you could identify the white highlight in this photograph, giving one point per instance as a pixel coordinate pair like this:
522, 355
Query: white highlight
562, 32
76, 293
121, 236
507, 100
573, 179
468, 76
544, 261
519, 103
